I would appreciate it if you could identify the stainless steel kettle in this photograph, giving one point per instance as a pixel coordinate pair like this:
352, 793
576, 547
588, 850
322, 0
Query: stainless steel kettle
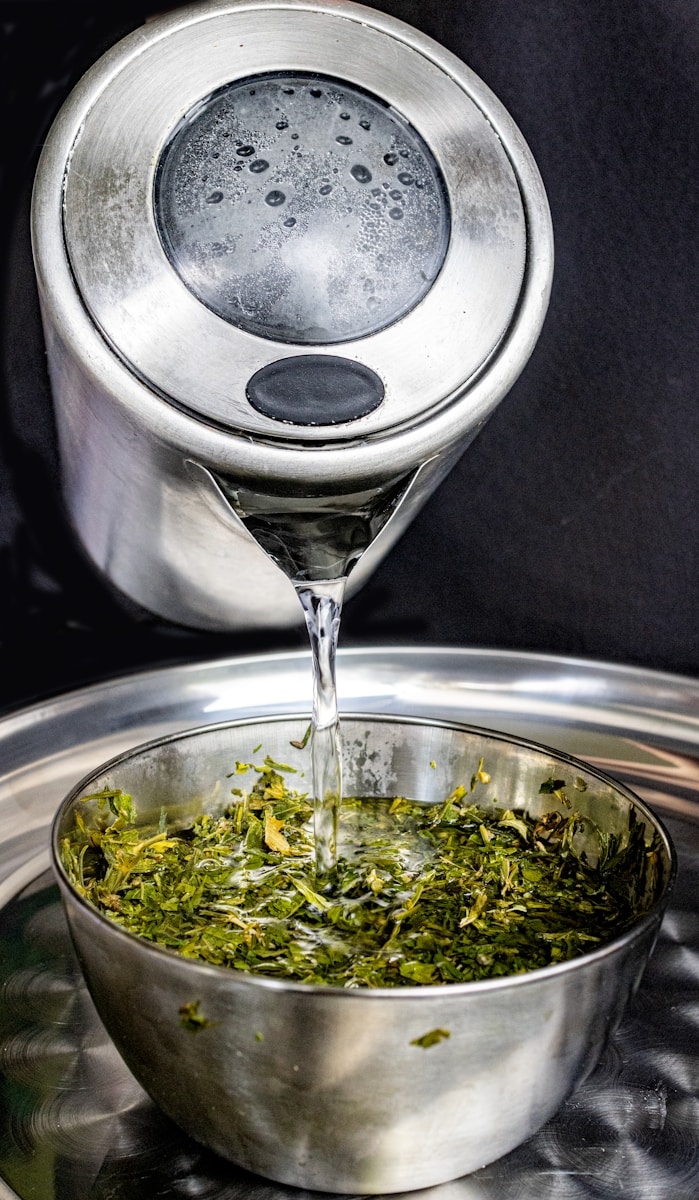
290, 255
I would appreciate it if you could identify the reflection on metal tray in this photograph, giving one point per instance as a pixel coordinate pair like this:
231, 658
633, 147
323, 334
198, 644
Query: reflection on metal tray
73, 1122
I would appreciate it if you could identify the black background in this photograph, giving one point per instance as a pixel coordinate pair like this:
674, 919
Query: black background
570, 526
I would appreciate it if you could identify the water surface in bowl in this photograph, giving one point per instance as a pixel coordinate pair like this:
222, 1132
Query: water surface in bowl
453, 891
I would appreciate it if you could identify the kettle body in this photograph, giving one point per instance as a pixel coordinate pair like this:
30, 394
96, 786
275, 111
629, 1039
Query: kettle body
297, 251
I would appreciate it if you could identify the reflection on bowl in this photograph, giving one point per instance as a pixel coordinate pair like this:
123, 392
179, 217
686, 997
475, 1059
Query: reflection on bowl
346, 1089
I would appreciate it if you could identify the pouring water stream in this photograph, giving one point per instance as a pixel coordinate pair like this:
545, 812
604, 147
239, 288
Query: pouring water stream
322, 607
316, 542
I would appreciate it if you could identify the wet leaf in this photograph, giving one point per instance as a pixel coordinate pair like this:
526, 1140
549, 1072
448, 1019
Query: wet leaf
422, 894
192, 1019
274, 838
433, 1038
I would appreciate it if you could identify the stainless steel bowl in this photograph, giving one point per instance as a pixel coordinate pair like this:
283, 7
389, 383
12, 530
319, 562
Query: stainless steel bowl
323, 1087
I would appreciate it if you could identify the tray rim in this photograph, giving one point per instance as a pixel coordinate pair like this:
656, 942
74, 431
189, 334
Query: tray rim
629, 672
632, 703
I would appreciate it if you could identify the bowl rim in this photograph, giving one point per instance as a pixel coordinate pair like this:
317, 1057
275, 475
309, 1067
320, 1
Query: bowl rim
623, 941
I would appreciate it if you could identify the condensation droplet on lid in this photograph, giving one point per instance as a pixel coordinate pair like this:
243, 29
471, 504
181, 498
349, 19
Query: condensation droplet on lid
316, 92
347, 206
214, 198
406, 178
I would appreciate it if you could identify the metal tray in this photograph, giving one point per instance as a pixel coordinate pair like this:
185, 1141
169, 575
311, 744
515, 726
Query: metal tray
73, 1122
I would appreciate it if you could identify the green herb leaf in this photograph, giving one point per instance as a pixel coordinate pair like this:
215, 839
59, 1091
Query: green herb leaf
192, 1019
433, 1038
422, 894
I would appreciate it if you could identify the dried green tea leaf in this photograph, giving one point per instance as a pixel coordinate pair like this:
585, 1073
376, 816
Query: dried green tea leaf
192, 1019
422, 895
433, 1038
274, 838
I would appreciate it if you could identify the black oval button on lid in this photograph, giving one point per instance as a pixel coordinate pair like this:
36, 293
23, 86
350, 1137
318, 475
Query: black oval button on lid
315, 389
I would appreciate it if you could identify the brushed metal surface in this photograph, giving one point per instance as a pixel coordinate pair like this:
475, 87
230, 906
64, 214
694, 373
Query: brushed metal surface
73, 1123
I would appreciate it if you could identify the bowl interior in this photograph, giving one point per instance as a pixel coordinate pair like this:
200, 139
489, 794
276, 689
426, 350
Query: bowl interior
193, 772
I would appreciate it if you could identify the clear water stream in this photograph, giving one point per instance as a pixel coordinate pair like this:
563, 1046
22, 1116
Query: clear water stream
316, 541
